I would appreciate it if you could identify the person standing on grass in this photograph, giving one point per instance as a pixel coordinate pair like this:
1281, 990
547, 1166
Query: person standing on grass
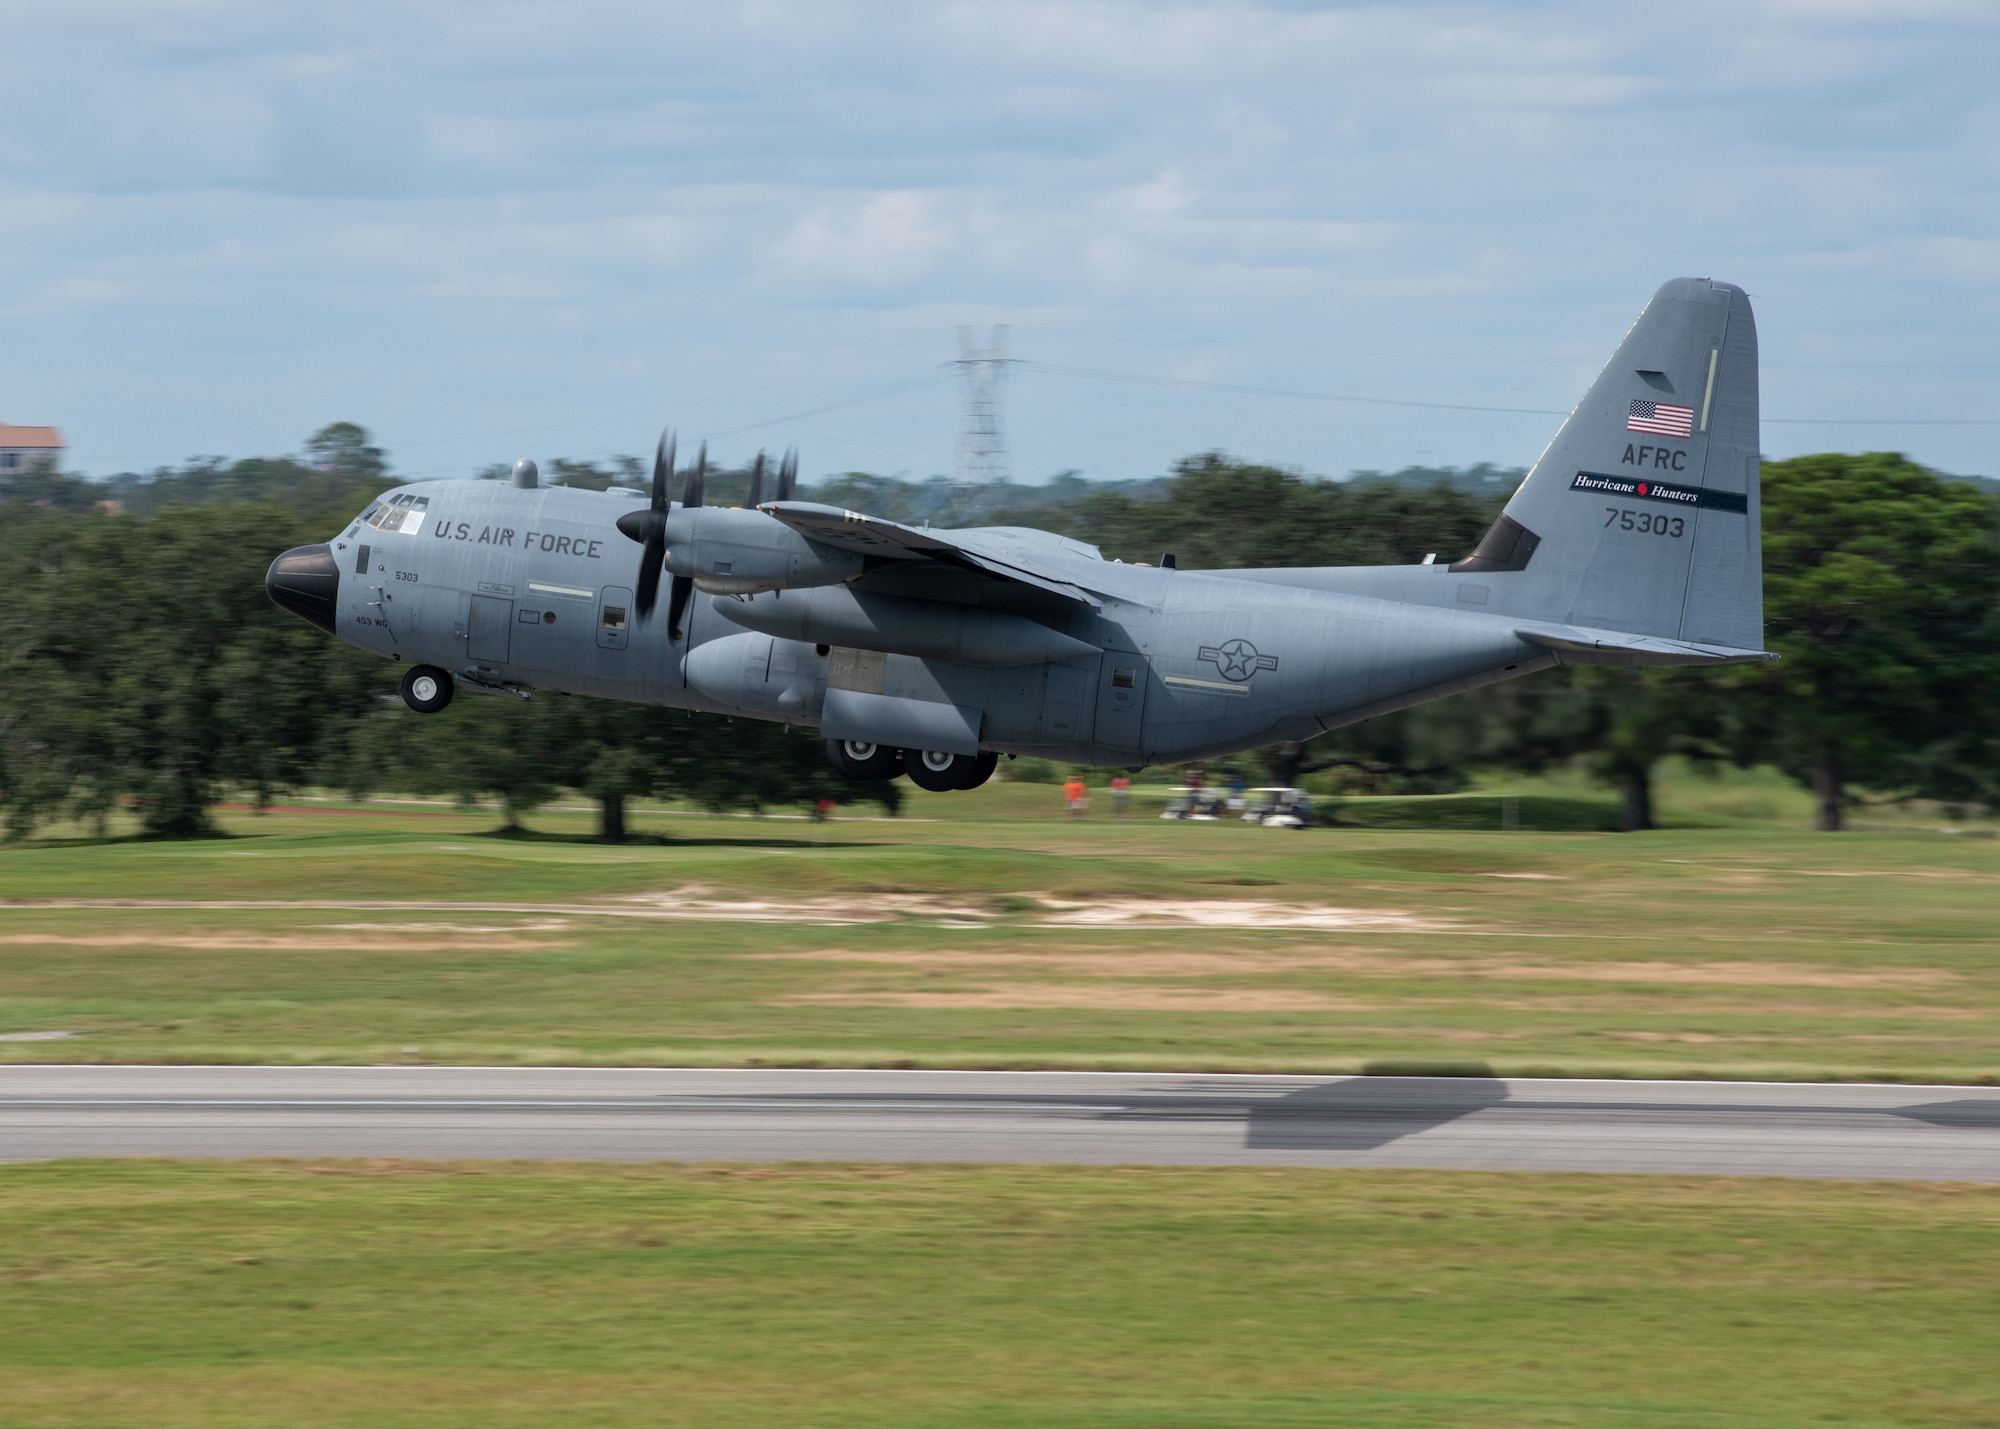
1121, 795
1075, 796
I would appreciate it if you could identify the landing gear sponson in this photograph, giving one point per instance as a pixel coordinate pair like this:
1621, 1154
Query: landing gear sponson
932, 769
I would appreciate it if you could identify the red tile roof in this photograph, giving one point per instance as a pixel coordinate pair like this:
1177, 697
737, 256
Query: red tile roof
47, 438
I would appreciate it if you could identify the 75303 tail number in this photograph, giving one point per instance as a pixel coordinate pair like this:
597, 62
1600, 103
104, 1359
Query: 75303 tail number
1648, 522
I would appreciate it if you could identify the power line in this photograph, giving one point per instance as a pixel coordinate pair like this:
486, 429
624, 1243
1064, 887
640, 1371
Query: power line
1098, 374
895, 391
1882, 421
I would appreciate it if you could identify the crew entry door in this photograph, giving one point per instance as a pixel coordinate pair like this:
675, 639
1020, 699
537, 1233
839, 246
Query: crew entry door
1121, 700
614, 617
489, 630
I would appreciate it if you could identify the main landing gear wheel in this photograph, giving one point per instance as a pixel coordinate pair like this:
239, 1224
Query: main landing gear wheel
427, 689
981, 769
858, 759
939, 772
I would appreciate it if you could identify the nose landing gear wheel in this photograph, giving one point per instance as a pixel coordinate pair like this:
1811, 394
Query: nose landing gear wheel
858, 759
427, 689
937, 771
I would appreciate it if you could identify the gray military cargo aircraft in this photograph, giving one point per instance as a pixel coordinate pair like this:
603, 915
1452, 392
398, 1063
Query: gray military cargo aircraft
1634, 541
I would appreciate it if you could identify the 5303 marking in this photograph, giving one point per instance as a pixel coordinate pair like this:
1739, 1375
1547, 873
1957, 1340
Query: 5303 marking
1646, 522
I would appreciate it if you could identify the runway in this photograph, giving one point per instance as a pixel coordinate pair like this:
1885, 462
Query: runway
1192, 1119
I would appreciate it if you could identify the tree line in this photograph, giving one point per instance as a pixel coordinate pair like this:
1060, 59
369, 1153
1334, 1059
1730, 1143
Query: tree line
1881, 596
147, 671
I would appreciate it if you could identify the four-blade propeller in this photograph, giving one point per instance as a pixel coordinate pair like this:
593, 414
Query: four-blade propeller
649, 527
683, 583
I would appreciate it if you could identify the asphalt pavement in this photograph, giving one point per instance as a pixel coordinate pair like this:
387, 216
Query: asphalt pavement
1191, 1119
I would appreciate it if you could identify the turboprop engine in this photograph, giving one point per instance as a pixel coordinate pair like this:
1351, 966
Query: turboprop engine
729, 552
720, 549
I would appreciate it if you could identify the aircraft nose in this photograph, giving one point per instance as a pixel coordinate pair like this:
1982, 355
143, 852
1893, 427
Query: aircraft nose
306, 581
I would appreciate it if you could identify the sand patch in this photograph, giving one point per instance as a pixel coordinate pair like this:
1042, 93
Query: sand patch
1614, 1006
1086, 962
1090, 997
1229, 913
694, 903
1368, 963
1715, 974
687, 904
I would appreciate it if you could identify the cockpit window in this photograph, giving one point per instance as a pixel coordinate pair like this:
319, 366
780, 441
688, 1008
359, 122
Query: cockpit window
403, 513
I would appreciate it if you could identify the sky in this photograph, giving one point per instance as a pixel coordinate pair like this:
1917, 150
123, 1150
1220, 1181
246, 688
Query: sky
500, 229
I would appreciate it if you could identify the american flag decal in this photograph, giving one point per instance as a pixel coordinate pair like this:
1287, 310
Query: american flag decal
1662, 419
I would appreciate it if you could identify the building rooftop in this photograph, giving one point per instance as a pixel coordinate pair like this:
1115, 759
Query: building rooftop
25, 438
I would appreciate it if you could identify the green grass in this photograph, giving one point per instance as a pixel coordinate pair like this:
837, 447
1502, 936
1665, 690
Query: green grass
1726, 945
390, 1293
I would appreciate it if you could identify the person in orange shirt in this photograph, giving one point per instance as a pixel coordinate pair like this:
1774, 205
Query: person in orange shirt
1076, 797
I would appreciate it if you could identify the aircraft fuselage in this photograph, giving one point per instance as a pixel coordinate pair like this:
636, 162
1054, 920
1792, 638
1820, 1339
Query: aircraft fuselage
534, 588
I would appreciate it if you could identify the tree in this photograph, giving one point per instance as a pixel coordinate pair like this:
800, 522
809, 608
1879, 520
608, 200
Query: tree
342, 449
1881, 583
1625, 721
1219, 512
525, 751
146, 665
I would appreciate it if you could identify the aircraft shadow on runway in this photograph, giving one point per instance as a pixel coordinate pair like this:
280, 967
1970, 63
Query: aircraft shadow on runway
1362, 1113
1972, 1112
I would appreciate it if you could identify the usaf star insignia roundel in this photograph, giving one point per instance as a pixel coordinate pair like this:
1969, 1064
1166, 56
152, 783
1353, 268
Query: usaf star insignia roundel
1238, 659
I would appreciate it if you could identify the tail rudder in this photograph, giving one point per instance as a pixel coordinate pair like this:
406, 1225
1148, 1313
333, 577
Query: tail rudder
1642, 514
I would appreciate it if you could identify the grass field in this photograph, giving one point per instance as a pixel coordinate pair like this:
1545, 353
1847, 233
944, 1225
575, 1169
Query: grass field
163, 1294
985, 930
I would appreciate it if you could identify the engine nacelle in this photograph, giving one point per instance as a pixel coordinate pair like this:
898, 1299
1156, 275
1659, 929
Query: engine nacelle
779, 678
926, 629
732, 552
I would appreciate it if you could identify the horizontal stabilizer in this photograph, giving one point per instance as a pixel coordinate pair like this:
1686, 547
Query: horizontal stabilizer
1580, 646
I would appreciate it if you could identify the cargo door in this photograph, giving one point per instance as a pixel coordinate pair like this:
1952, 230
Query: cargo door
489, 630
1062, 704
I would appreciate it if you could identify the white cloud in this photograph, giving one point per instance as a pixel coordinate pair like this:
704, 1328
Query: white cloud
228, 221
879, 239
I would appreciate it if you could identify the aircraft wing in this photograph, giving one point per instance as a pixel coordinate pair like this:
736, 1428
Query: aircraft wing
872, 536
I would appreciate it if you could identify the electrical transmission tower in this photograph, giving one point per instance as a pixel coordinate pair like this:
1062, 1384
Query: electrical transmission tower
982, 385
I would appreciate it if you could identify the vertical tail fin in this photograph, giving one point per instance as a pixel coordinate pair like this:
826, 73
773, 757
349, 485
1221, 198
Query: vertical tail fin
1642, 514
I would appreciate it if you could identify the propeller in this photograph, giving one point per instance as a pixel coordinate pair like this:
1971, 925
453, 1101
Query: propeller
682, 587
649, 527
